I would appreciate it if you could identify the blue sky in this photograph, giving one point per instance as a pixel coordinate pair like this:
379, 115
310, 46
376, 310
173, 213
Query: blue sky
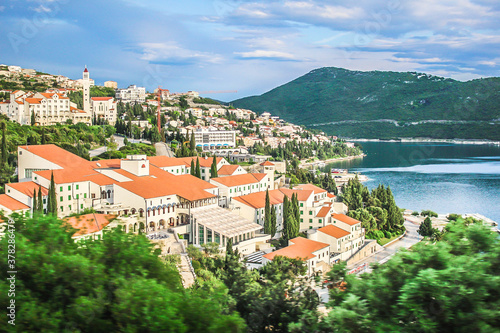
248, 46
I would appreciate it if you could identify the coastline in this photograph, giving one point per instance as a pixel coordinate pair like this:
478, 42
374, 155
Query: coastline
331, 160
430, 140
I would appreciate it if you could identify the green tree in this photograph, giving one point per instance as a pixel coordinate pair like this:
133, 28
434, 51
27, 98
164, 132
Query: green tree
425, 228
39, 201
33, 119
267, 214
5, 152
198, 170
51, 198
213, 168
272, 229
34, 204
193, 170
192, 142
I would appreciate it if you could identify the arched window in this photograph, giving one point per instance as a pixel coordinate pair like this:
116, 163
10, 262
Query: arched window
149, 213
141, 212
132, 211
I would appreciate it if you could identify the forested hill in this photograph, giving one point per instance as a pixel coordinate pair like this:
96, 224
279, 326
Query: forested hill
385, 104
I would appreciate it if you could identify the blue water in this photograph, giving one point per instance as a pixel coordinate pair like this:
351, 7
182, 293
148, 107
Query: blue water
445, 178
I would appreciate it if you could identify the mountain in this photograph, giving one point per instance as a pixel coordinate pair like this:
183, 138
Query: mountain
385, 105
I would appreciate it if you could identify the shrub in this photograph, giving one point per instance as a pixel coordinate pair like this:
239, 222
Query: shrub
415, 213
453, 217
429, 213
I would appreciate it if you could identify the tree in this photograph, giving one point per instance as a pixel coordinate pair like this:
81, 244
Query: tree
272, 229
213, 168
193, 170
34, 205
155, 135
198, 170
5, 153
39, 201
192, 142
267, 214
51, 199
109, 285
429, 288
33, 119
425, 228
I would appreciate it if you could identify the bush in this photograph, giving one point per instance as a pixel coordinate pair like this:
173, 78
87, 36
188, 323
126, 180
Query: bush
196, 265
453, 217
415, 213
429, 213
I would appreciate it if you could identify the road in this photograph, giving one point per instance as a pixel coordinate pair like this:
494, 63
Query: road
119, 140
162, 149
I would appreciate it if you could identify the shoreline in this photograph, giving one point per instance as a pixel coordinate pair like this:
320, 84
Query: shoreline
331, 160
430, 140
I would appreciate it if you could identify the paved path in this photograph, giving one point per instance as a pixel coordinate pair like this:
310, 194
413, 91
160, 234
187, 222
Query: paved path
185, 271
162, 149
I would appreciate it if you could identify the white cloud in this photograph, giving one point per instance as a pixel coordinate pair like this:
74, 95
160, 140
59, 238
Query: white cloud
41, 9
267, 54
170, 52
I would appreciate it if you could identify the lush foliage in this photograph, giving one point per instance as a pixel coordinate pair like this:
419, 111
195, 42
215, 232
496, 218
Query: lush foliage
115, 284
447, 286
337, 95
377, 210
269, 299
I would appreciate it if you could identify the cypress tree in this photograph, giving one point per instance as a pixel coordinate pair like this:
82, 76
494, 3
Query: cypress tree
193, 171
4, 144
34, 204
273, 222
52, 201
192, 142
286, 219
33, 121
296, 211
267, 216
213, 169
198, 170
39, 201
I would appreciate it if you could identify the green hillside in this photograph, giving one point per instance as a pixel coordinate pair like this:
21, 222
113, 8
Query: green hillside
385, 104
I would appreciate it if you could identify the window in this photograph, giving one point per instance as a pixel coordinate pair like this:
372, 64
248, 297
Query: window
69, 197
69, 207
85, 195
301, 212
301, 204
320, 221
69, 187
62, 208
77, 187
61, 199
77, 196
310, 212
301, 220
60, 189
81, 206
310, 220
44, 201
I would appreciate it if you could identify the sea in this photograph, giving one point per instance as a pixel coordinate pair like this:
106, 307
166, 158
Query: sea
443, 177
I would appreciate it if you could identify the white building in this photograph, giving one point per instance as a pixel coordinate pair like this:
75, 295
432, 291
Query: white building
153, 198
104, 108
111, 84
131, 94
212, 139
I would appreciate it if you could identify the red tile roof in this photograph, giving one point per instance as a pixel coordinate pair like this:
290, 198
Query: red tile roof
164, 161
227, 170
323, 212
28, 187
56, 155
267, 163
240, 180
258, 199
312, 187
11, 203
334, 231
101, 98
300, 248
204, 162
346, 219
89, 223
33, 100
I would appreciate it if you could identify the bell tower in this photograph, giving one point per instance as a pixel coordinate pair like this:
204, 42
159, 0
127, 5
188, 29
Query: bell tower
86, 90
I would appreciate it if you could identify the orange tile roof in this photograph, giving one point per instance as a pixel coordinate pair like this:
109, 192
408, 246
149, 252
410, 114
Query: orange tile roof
56, 155
89, 223
323, 212
334, 231
11, 203
331, 195
164, 161
28, 187
312, 187
346, 219
240, 180
101, 98
227, 170
267, 163
258, 199
185, 186
33, 100
204, 162
300, 248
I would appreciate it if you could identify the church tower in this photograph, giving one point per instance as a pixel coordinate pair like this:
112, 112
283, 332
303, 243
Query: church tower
86, 90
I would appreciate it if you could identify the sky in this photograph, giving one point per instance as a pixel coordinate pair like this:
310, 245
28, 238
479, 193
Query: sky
247, 46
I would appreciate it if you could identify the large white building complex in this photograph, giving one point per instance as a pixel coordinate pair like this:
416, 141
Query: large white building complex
132, 94
214, 139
